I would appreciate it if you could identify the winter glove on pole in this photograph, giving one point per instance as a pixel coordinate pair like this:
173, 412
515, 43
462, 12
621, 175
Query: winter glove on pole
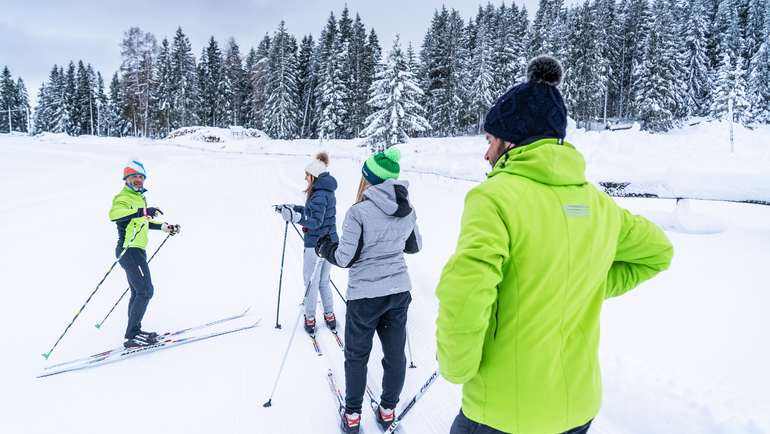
325, 247
170, 229
290, 215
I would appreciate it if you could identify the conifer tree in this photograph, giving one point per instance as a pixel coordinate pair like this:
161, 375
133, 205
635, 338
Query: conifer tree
394, 96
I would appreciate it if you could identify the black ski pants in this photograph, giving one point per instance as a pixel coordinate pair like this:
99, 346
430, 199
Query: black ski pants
386, 316
463, 425
134, 261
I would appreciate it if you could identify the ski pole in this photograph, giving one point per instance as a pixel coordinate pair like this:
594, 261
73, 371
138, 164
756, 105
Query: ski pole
412, 402
269, 402
409, 347
280, 277
100, 323
48, 354
342, 297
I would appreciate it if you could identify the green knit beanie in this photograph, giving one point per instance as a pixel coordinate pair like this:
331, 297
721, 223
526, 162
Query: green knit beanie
382, 165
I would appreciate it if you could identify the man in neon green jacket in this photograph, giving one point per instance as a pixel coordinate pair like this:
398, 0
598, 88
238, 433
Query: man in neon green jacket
539, 251
134, 218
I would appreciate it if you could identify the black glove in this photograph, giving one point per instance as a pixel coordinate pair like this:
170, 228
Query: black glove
325, 247
151, 212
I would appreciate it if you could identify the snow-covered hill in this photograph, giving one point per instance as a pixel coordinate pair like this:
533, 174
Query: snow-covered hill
684, 353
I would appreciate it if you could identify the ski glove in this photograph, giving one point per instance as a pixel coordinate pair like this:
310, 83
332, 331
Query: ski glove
150, 212
325, 247
289, 214
170, 229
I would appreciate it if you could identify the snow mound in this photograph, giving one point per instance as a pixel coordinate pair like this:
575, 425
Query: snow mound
214, 134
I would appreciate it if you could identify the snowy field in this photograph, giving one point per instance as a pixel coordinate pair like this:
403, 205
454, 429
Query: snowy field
684, 353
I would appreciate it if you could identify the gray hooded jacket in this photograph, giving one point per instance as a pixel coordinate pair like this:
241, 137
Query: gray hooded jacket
375, 235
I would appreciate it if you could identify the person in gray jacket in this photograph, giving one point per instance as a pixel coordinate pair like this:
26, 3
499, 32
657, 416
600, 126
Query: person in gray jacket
378, 229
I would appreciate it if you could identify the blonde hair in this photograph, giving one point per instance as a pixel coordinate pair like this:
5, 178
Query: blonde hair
362, 186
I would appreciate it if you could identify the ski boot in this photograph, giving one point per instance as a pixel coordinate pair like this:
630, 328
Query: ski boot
310, 326
350, 423
331, 321
138, 341
148, 336
385, 417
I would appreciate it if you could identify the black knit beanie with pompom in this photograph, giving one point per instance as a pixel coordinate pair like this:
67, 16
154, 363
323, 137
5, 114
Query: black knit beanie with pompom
533, 110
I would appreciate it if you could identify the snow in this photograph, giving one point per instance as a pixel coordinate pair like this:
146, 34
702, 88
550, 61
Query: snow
684, 353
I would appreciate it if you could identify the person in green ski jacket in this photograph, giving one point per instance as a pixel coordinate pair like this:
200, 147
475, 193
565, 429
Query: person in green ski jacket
539, 251
134, 218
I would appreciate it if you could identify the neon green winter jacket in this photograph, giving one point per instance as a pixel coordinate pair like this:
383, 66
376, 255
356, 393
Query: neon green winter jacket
540, 249
124, 204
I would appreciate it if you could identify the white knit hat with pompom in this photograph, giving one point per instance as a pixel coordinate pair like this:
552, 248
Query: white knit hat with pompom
318, 165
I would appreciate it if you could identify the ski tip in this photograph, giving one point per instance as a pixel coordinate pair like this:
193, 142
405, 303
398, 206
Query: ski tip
269, 403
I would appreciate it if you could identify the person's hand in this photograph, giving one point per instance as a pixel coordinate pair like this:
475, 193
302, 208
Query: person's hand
170, 229
150, 212
323, 245
289, 214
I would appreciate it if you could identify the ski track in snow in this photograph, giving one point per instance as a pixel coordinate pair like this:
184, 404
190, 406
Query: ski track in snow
683, 353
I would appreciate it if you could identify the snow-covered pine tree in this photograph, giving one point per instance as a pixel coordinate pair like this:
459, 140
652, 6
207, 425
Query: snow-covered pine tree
481, 66
258, 76
213, 101
543, 38
70, 101
360, 81
753, 27
40, 115
608, 42
164, 90
635, 23
101, 106
585, 77
394, 98
22, 119
234, 75
43, 117
509, 50
8, 97
139, 50
248, 88
658, 75
333, 94
282, 107
441, 56
184, 101
758, 86
730, 78
697, 68
61, 122
115, 125
331, 91
306, 84
84, 102
370, 61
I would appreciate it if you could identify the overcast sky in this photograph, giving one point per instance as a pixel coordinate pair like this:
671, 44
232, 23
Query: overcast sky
36, 34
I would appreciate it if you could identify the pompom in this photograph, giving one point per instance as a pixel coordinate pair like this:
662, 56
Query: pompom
393, 154
545, 69
323, 157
